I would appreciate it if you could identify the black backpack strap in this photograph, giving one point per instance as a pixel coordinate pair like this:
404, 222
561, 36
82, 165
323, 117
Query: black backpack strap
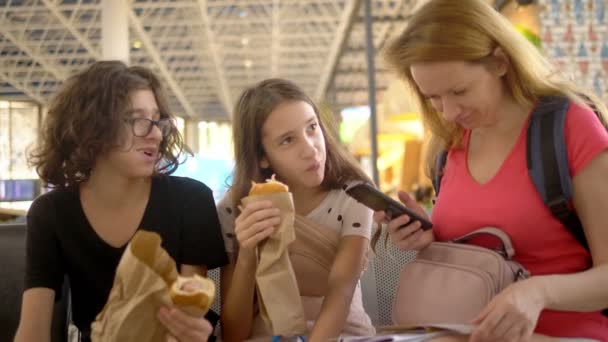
442, 158
547, 158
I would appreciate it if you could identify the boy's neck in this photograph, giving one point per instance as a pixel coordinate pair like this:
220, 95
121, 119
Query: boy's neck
114, 189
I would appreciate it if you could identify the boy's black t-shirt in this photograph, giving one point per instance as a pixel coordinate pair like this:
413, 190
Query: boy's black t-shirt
60, 241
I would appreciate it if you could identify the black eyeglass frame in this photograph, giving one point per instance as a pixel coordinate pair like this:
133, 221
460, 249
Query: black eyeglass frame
164, 125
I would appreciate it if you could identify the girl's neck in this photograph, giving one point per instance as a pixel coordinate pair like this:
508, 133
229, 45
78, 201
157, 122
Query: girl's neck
109, 188
307, 199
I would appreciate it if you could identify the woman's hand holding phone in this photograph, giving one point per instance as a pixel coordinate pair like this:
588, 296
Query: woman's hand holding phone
407, 236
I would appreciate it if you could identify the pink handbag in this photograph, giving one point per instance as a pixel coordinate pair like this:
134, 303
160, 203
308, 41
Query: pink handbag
451, 282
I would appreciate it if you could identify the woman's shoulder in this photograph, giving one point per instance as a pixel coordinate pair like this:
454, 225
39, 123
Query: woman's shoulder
582, 118
183, 194
56, 198
53, 211
585, 136
583, 125
184, 183
183, 189
581, 111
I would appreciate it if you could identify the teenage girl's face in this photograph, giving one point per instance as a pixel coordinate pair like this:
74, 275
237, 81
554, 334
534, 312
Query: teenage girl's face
294, 145
137, 156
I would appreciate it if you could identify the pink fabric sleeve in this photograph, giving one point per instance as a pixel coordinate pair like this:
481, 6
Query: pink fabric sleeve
586, 137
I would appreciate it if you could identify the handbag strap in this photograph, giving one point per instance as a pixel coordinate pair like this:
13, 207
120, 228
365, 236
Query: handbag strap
507, 247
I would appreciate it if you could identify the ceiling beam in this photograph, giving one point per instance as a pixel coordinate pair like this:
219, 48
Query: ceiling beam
66, 7
263, 20
54, 57
160, 23
70, 27
163, 5
263, 36
342, 32
162, 66
275, 39
22, 87
222, 88
20, 43
394, 27
245, 4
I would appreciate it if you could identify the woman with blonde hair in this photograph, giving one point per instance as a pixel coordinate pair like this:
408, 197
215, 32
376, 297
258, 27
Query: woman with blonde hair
477, 81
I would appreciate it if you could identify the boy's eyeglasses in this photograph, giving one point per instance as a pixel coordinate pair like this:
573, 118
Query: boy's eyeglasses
141, 127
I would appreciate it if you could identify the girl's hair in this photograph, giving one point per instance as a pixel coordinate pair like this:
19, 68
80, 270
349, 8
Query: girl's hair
471, 30
251, 111
87, 119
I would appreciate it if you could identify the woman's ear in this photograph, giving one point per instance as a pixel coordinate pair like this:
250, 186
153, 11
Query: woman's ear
501, 62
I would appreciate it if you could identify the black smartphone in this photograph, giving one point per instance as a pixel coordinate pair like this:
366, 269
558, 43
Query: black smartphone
374, 199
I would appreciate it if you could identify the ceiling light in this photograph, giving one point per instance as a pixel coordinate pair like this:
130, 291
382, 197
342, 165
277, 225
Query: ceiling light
248, 63
245, 41
137, 44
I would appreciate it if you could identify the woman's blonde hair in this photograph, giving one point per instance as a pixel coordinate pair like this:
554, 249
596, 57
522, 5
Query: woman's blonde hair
471, 30
251, 111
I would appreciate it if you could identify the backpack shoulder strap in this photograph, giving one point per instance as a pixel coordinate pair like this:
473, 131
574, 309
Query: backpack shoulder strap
547, 159
438, 172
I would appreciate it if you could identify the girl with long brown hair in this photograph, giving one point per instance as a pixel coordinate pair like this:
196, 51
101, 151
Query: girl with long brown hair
278, 130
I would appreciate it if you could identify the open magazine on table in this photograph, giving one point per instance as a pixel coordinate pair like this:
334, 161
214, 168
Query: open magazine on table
396, 334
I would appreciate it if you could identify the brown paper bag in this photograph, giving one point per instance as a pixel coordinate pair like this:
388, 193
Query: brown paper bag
312, 256
277, 288
137, 294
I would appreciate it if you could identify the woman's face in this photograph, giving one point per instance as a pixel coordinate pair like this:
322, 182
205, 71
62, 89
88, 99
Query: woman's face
467, 94
294, 145
138, 154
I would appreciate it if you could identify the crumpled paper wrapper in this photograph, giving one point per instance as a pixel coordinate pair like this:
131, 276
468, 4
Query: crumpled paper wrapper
277, 288
141, 287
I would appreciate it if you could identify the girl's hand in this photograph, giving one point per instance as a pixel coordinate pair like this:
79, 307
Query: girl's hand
255, 223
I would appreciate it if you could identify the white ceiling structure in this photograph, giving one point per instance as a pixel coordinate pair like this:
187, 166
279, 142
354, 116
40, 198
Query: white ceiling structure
205, 51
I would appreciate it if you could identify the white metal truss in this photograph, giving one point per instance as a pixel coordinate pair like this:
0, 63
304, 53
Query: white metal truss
20, 86
159, 63
275, 38
222, 87
337, 45
349, 86
67, 23
205, 51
